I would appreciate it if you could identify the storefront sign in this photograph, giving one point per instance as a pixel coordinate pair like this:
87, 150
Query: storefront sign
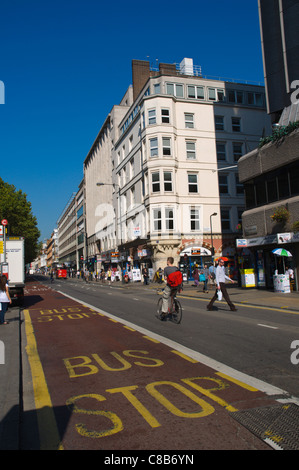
268, 240
257, 241
143, 253
284, 238
196, 251
114, 256
241, 242
136, 275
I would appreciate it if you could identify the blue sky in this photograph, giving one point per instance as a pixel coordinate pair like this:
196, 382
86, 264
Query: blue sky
65, 64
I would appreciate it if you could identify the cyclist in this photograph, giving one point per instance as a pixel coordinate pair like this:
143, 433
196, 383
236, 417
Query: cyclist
170, 288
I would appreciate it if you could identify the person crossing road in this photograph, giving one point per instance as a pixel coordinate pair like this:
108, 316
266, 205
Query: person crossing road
220, 285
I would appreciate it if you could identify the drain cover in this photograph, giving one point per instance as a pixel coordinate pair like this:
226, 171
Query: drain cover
277, 423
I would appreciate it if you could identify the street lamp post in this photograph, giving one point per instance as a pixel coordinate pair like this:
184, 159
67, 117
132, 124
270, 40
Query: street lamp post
212, 215
225, 168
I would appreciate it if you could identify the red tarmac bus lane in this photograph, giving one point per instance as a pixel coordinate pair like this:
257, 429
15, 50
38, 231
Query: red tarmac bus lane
99, 384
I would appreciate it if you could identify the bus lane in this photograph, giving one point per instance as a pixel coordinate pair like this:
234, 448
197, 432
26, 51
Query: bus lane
100, 384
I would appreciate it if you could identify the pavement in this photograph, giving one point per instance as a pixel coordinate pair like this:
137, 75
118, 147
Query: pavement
12, 364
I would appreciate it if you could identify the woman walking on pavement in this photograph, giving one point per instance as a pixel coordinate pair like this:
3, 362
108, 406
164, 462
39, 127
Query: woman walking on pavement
205, 272
4, 299
220, 285
196, 275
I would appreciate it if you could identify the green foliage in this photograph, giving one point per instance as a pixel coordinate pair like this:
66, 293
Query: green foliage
295, 226
279, 133
281, 214
17, 210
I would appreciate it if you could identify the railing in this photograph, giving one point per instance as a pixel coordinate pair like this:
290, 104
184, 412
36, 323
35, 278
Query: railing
197, 72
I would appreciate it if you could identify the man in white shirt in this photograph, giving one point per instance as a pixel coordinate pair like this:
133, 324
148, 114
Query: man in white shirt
220, 285
290, 273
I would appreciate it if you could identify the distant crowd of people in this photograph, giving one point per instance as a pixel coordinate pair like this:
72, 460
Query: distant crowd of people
204, 276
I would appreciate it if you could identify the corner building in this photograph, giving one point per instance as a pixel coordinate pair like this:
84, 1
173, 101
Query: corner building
174, 165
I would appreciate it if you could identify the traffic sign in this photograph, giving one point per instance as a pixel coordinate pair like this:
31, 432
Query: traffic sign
2, 229
4, 222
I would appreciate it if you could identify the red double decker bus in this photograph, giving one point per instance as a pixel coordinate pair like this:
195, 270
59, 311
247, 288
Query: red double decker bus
60, 271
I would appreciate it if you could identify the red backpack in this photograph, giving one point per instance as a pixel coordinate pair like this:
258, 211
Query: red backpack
175, 279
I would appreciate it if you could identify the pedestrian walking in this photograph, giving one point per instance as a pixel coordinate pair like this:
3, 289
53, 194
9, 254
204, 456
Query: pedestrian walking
204, 276
212, 274
290, 273
145, 276
220, 286
196, 275
5, 299
109, 274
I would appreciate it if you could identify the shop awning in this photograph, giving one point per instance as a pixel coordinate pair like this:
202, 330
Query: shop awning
279, 238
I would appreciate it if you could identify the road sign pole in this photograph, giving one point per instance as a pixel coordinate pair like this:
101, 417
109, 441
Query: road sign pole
4, 223
4, 243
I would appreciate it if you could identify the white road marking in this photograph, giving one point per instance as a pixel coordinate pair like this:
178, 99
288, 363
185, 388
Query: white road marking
268, 326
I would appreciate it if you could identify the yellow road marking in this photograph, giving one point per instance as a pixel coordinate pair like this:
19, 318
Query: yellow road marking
237, 382
190, 359
151, 339
126, 391
48, 432
128, 328
207, 392
206, 408
64, 306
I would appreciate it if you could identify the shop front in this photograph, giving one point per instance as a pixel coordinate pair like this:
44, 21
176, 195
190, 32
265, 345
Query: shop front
260, 267
109, 260
194, 256
143, 259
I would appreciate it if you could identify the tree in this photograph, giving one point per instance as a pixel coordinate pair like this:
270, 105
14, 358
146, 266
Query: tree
21, 222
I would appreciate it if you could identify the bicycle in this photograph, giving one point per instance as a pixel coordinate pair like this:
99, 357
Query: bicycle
174, 309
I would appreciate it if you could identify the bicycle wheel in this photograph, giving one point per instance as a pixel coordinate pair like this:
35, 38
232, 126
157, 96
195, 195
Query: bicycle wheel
177, 313
159, 309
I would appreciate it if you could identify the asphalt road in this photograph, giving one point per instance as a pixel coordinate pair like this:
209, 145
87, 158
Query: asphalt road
255, 341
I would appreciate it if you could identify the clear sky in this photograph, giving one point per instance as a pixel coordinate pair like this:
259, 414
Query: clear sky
65, 63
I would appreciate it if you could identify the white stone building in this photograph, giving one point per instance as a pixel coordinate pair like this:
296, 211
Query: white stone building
161, 178
180, 130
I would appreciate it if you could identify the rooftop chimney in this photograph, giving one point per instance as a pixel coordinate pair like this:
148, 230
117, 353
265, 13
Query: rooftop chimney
140, 75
